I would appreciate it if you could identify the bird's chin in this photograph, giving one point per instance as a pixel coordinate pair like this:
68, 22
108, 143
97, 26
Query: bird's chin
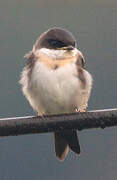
56, 54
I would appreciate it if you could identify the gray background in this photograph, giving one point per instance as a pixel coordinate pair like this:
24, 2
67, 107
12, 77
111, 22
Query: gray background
94, 24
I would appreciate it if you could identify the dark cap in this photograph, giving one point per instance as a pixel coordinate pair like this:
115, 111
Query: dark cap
55, 38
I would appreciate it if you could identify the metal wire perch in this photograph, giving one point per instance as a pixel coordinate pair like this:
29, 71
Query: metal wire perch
42, 124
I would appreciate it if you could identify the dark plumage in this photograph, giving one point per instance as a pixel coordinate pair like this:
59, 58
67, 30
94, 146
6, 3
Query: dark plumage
55, 38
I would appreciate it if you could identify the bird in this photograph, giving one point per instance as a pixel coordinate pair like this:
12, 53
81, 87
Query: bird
55, 81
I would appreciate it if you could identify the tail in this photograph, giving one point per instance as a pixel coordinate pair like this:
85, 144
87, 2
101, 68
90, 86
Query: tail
64, 141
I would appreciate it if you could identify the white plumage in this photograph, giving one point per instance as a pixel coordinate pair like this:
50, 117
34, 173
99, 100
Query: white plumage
54, 81
56, 91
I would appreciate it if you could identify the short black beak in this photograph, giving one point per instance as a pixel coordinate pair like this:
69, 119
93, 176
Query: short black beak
69, 48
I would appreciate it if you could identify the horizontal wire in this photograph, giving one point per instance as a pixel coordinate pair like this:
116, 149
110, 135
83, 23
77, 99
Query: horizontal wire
52, 123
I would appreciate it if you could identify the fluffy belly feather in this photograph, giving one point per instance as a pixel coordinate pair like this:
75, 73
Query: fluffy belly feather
56, 91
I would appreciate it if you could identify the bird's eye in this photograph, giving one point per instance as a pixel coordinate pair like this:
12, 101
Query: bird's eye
56, 43
53, 42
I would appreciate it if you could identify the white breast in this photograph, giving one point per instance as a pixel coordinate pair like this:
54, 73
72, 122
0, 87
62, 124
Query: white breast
56, 91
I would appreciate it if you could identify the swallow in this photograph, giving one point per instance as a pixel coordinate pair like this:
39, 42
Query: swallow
55, 81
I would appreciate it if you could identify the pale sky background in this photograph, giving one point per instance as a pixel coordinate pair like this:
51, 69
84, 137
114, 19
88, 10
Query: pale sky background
94, 24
